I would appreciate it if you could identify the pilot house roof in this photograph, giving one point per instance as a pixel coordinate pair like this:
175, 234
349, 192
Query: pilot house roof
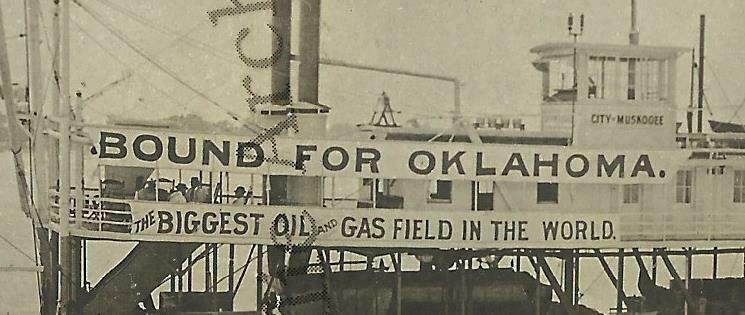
661, 52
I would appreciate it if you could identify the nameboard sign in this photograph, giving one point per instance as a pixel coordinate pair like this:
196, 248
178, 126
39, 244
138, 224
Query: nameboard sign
306, 226
382, 159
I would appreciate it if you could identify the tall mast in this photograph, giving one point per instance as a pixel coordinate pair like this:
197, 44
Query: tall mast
39, 148
700, 108
634, 33
15, 129
65, 246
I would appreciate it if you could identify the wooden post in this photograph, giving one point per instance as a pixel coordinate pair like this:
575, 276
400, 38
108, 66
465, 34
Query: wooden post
259, 278
66, 270
569, 276
715, 263
231, 268
538, 285
620, 295
654, 267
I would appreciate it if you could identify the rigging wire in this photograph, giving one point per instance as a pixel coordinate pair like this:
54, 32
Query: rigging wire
719, 84
167, 31
17, 249
117, 59
129, 68
248, 125
36, 261
152, 85
182, 37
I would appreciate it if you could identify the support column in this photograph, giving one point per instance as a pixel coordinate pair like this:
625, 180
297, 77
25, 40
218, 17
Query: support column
677, 283
396, 259
66, 298
538, 285
689, 269
609, 272
715, 263
259, 278
231, 268
654, 267
569, 276
207, 274
214, 267
576, 278
619, 282
189, 267
541, 263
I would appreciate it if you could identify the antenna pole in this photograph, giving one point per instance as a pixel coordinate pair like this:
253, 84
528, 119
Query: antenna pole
574, 32
689, 112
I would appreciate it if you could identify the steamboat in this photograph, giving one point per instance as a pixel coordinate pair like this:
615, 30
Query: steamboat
389, 219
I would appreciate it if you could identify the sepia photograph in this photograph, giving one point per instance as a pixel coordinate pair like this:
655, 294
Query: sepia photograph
390, 157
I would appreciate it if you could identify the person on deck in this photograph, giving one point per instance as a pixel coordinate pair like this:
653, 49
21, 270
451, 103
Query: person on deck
178, 195
198, 193
147, 192
241, 196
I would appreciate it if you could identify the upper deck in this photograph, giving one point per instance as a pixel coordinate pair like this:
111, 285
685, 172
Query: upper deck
607, 169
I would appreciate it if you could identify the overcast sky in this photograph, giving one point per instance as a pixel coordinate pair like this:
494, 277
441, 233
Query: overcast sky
483, 43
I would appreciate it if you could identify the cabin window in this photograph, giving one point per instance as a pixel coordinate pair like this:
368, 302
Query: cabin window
484, 195
684, 186
739, 196
632, 193
440, 191
641, 79
559, 81
547, 193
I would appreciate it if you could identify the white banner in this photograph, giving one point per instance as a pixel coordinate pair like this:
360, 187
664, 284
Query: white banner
382, 159
305, 226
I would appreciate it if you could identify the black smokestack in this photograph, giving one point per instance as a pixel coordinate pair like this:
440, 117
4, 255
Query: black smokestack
310, 16
281, 67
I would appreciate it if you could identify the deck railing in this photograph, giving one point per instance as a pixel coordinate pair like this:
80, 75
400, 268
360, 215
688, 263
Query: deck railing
114, 215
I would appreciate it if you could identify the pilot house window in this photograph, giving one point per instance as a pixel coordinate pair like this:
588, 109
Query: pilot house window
739, 185
440, 191
547, 193
684, 186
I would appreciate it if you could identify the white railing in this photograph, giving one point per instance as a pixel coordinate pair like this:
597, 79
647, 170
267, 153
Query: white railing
683, 226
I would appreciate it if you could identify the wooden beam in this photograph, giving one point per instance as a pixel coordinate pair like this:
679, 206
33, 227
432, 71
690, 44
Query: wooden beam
608, 271
555, 285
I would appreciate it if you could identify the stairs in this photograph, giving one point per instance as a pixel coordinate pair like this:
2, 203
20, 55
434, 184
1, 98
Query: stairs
135, 277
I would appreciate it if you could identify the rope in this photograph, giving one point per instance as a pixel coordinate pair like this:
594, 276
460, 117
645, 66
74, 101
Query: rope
36, 261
